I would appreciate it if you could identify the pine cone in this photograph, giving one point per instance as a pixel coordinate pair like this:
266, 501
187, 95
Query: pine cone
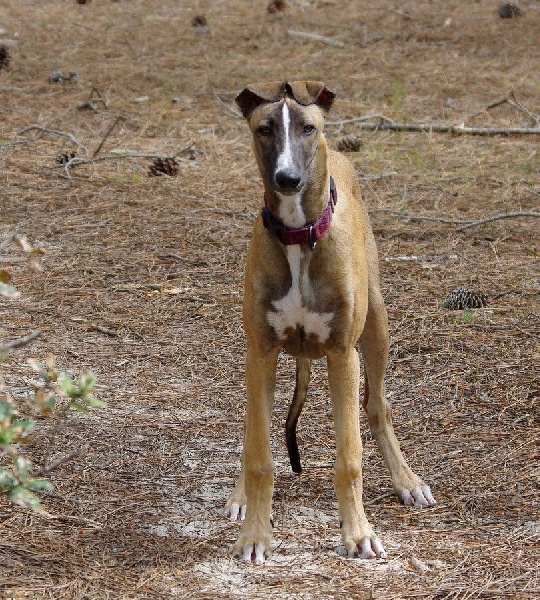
65, 157
349, 143
276, 6
510, 10
164, 166
4, 57
462, 297
200, 24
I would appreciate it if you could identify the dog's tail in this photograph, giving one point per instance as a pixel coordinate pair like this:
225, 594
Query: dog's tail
303, 372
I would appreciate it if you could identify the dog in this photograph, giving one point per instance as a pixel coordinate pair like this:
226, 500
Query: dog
312, 290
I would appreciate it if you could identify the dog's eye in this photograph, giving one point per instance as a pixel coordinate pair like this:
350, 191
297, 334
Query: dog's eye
309, 129
264, 130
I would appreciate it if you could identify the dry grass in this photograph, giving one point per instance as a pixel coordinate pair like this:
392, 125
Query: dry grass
159, 261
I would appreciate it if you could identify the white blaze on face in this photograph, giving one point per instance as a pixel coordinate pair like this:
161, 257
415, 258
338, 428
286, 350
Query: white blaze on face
290, 310
285, 161
290, 210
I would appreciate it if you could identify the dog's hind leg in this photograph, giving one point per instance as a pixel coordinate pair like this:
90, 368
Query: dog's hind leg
303, 372
374, 344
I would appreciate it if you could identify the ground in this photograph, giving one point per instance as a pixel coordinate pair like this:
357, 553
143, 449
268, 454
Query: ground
142, 284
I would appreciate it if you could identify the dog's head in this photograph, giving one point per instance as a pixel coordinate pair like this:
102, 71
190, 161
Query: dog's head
286, 119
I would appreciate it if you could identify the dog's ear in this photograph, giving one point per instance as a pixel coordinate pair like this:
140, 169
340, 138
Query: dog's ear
258, 93
312, 92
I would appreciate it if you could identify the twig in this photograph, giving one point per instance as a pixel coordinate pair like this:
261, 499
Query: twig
363, 177
62, 460
20, 342
360, 119
107, 134
236, 113
510, 215
464, 224
315, 36
461, 129
511, 100
56, 132
412, 217
119, 156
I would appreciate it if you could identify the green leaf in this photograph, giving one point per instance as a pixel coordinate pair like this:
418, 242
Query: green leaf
8, 291
65, 383
23, 497
22, 467
39, 484
9, 434
6, 410
467, 315
7, 480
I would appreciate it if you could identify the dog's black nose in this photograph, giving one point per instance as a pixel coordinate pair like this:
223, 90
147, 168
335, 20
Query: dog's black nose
288, 179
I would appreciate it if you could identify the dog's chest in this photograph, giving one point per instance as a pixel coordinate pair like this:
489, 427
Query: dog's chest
292, 317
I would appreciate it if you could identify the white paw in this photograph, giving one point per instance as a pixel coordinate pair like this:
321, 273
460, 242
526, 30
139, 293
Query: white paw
235, 511
253, 553
418, 497
370, 548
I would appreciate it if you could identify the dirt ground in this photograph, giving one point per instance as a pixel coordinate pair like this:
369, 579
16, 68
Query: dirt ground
142, 284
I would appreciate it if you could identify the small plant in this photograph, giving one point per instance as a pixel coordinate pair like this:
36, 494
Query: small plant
17, 481
53, 395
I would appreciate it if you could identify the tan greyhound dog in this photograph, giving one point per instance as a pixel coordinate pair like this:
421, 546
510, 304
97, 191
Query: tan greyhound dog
311, 289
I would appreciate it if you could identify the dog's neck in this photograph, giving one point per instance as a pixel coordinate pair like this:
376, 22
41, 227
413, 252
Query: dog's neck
296, 210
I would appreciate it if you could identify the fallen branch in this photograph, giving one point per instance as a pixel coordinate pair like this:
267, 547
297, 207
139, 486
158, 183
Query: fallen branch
107, 134
20, 342
383, 123
461, 129
510, 215
512, 101
72, 162
465, 224
44, 130
62, 460
413, 217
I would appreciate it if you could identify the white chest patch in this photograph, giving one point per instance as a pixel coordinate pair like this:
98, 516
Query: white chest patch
290, 311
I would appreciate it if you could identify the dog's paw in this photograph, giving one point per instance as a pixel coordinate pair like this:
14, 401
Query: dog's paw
417, 496
361, 542
366, 547
235, 511
253, 546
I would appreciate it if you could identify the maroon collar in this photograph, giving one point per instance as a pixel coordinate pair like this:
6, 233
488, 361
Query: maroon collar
309, 234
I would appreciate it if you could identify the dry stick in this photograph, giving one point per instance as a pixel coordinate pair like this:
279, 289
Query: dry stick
454, 129
56, 132
87, 161
412, 217
60, 461
20, 342
510, 215
464, 224
511, 100
107, 134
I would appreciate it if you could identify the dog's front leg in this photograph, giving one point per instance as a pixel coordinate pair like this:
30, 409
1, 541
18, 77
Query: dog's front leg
257, 477
358, 536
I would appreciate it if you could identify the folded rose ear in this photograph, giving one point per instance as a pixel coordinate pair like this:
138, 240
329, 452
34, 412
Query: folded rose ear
312, 92
304, 92
255, 94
